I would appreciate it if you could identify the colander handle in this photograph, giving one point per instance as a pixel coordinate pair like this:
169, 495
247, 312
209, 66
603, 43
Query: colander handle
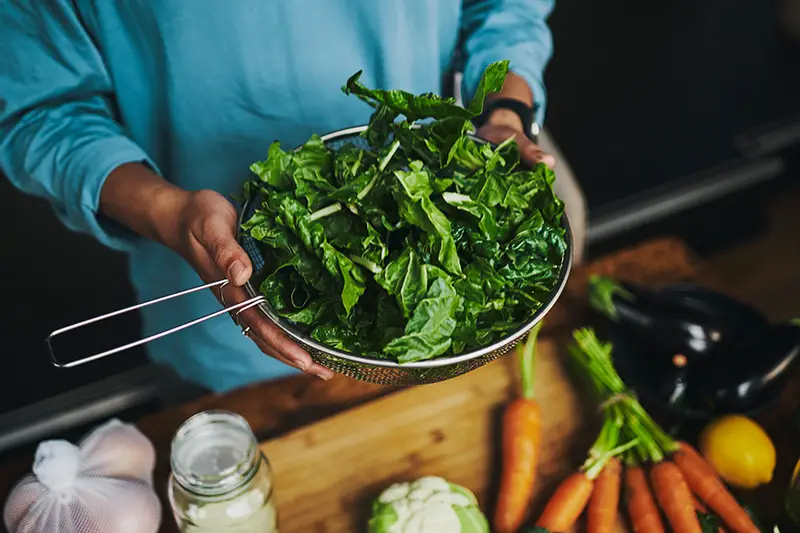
241, 306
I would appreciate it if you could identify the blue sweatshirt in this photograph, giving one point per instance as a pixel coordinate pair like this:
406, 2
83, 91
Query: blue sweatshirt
198, 89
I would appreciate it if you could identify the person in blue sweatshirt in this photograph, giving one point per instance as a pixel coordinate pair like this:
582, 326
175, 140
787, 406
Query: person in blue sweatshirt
137, 120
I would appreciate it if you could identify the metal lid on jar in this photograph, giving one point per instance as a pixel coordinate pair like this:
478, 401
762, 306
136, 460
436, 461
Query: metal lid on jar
214, 453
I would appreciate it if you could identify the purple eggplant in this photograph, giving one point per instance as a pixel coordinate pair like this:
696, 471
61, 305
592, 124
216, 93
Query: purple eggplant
693, 351
680, 319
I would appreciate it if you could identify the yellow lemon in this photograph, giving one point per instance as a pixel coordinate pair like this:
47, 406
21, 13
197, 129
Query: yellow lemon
739, 450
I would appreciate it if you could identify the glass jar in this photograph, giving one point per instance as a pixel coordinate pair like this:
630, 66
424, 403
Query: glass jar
220, 480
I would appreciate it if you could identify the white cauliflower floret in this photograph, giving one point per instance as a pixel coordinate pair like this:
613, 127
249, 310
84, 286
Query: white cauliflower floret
427, 505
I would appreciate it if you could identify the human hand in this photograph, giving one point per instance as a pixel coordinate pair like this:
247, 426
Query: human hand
503, 124
204, 235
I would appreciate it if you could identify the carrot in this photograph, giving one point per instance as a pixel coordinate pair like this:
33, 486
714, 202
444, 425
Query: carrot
704, 481
567, 503
573, 494
673, 494
642, 508
602, 511
520, 447
701, 507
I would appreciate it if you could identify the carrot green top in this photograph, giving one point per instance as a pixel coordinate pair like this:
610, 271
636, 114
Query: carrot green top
527, 362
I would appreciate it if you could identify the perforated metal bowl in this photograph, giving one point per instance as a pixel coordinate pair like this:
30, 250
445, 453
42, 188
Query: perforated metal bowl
383, 371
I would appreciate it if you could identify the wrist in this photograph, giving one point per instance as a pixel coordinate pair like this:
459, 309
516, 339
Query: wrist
164, 215
139, 199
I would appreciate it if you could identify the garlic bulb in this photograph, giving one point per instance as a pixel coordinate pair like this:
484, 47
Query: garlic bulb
119, 450
104, 485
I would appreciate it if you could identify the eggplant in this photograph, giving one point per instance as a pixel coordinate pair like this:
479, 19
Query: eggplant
652, 373
693, 352
696, 323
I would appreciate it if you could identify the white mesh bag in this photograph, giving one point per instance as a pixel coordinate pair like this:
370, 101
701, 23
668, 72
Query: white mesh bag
103, 485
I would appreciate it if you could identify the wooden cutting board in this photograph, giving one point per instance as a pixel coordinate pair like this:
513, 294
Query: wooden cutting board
327, 474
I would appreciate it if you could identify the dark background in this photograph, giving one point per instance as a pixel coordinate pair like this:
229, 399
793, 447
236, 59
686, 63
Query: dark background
644, 99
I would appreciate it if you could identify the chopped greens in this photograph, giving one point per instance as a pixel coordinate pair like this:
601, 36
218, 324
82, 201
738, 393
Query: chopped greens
417, 242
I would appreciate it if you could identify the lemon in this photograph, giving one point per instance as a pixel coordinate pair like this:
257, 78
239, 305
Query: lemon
739, 450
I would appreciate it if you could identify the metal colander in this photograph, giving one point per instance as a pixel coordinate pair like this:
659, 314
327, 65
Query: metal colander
371, 369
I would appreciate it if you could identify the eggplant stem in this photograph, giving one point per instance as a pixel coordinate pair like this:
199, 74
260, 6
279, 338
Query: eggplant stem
601, 295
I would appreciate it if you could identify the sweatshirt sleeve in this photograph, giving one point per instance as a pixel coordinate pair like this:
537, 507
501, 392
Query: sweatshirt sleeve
59, 139
517, 30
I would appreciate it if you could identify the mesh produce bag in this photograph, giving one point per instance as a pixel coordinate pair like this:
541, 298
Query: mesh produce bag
103, 485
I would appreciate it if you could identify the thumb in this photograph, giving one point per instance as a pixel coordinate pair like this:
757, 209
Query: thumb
230, 258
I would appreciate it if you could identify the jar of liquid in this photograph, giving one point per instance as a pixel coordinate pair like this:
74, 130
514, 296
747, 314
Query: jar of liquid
220, 480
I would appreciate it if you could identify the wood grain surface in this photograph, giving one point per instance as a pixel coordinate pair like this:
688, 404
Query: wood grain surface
275, 408
327, 474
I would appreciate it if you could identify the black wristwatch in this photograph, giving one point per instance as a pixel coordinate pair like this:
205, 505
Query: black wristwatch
525, 113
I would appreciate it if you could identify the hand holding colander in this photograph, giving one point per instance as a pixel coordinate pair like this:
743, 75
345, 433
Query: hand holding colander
360, 367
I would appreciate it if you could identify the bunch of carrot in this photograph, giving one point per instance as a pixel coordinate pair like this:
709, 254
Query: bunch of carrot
520, 447
594, 487
656, 479
662, 478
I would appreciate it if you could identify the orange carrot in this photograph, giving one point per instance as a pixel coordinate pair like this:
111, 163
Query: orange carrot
573, 494
521, 423
700, 506
673, 494
642, 508
567, 503
602, 511
520, 447
704, 481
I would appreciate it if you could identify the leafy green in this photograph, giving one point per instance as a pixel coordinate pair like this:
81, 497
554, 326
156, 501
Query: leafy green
414, 241
709, 523
428, 332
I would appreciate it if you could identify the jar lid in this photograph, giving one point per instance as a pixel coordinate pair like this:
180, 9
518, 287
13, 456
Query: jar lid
214, 453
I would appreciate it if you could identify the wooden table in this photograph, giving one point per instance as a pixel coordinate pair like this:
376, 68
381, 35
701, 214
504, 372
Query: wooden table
277, 407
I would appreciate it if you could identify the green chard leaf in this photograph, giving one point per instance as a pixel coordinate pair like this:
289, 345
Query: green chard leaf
413, 242
429, 105
316, 311
428, 332
274, 170
406, 279
380, 125
417, 208
413, 107
311, 232
485, 214
492, 81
